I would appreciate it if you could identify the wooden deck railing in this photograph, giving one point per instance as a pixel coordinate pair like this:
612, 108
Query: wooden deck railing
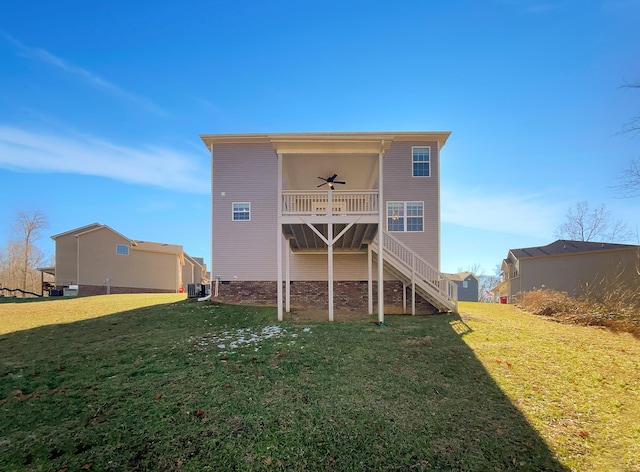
327, 203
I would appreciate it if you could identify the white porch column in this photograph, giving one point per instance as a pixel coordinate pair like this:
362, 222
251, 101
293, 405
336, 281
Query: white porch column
330, 253
370, 278
279, 239
413, 298
404, 297
287, 277
381, 211
413, 287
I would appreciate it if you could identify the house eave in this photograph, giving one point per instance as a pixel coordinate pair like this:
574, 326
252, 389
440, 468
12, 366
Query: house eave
79, 230
313, 143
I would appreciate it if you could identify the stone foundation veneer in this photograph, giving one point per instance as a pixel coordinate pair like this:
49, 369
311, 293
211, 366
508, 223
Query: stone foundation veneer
347, 296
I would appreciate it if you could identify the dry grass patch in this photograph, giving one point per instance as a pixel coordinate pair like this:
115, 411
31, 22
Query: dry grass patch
617, 310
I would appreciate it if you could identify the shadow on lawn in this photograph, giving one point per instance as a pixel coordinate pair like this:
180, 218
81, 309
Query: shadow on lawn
474, 417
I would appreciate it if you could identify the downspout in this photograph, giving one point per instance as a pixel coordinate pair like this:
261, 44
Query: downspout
279, 240
208, 297
78, 262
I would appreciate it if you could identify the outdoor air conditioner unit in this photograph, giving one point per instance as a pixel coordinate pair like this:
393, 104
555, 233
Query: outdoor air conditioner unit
70, 291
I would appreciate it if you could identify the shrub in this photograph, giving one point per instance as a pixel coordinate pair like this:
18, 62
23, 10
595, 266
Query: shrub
548, 302
617, 309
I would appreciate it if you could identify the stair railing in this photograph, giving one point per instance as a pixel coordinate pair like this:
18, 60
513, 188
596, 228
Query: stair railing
416, 266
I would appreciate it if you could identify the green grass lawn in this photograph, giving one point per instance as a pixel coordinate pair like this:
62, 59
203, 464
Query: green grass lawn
181, 385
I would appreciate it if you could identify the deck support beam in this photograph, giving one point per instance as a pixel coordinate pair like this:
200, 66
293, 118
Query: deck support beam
279, 239
381, 208
330, 269
413, 297
370, 278
404, 298
287, 277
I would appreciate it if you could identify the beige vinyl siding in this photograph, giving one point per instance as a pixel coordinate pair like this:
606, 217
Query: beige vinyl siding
246, 250
138, 269
98, 258
192, 272
188, 273
153, 270
245, 173
514, 286
401, 186
570, 272
315, 266
346, 267
66, 260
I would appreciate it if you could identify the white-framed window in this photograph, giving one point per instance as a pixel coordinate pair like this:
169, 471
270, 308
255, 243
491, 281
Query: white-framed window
405, 216
241, 211
122, 249
465, 284
421, 161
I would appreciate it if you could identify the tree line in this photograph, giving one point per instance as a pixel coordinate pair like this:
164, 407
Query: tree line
20, 257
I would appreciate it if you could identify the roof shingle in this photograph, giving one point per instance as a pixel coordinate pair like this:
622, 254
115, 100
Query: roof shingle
563, 246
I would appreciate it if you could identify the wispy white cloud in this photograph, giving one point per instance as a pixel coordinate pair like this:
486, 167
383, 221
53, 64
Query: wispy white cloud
34, 151
488, 209
42, 55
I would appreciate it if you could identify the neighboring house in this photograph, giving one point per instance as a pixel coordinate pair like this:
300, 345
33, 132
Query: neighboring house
575, 267
194, 270
97, 260
467, 284
297, 219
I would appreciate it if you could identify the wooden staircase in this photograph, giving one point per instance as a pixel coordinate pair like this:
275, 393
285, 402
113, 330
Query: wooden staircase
413, 270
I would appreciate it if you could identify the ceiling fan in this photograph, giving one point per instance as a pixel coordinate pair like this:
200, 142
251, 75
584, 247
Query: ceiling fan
330, 181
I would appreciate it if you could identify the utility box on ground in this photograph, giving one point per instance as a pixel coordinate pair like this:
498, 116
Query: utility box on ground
70, 291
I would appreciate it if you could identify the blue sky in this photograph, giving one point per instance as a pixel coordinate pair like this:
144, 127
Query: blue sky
102, 105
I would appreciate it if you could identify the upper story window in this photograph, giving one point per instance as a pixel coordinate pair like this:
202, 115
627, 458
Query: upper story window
122, 249
421, 161
465, 284
241, 211
405, 216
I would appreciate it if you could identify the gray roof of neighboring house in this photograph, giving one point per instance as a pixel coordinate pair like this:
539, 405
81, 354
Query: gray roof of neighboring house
461, 276
563, 247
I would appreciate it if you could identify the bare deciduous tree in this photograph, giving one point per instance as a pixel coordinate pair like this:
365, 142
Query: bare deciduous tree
629, 180
633, 124
21, 256
487, 284
28, 229
587, 224
629, 186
